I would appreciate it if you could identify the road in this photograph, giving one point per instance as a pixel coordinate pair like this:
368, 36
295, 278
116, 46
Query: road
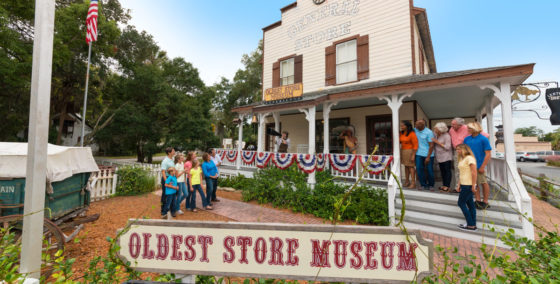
535, 169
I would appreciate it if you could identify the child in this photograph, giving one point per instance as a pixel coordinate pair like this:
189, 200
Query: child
196, 178
182, 193
467, 180
170, 191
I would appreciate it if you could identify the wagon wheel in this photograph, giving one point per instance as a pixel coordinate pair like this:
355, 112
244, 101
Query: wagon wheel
53, 240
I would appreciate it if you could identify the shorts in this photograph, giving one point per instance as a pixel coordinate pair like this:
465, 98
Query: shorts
481, 178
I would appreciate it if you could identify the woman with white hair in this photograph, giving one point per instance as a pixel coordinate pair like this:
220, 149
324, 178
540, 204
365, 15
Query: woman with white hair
444, 154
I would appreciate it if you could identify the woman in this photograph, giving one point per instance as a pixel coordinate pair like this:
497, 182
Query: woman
444, 154
409, 145
467, 179
350, 142
196, 178
182, 193
188, 166
211, 176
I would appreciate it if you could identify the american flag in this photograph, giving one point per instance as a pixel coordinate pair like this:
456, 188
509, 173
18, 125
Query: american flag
91, 22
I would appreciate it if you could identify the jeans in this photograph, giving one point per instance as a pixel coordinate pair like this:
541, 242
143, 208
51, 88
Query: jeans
209, 189
456, 168
445, 169
215, 188
421, 167
167, 205
162, 192
182, 194
192, 196
466, 204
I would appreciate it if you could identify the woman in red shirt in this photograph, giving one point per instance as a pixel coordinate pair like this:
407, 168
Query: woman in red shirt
409, 145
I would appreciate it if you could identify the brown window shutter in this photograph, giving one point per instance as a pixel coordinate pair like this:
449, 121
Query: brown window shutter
363, 57
276, 74
298, 69
330, 65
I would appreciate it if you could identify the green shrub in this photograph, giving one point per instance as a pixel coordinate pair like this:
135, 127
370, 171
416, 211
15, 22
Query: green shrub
134, 181
289, 189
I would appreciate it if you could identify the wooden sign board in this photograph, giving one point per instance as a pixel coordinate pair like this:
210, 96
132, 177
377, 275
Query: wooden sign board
281, 251
283, 93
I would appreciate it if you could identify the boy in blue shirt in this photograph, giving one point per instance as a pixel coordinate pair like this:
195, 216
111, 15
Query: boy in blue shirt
170, 191
481, 149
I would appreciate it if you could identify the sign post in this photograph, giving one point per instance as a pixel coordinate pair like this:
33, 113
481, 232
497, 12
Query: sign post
34, 203
283, 251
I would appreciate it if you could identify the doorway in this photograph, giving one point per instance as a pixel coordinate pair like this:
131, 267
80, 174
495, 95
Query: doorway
379, 132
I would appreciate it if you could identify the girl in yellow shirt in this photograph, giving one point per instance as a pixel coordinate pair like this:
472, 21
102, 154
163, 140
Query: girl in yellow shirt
196, 178
467, 179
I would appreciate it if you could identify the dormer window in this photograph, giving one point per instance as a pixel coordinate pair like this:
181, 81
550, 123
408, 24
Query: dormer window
287, 72
346, 62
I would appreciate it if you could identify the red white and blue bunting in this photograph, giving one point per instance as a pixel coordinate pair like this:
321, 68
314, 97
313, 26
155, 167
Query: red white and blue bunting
262, 159
378, 163
306, 162
221, 153
321, 161
231, 155
342, 162
248, 156
283, 160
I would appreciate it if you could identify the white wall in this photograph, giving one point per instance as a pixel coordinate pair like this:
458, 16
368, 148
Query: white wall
386, 22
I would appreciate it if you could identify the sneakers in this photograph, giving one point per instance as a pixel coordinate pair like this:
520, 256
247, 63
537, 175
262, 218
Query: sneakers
216, 200
164, 217
180, 212
464, 227
481, 205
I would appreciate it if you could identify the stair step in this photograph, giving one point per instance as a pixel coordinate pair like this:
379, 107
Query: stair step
443, 210
481, 232
451, 199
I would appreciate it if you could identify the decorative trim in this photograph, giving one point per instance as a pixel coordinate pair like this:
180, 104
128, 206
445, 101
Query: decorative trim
272, 26
288, 7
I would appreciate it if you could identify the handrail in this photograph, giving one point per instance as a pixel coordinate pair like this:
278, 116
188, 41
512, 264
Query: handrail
392, 192
522, 200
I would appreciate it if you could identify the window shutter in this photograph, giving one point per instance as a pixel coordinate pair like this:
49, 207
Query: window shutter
363, 57
276, 74
330, 65
298, 69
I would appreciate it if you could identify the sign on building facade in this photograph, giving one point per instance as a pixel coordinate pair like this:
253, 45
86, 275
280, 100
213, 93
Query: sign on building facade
283, 93
282, 251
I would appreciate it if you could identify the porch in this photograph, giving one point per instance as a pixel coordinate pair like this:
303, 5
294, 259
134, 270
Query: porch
471, 94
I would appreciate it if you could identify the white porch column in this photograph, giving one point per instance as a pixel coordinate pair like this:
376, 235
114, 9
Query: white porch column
310, 116
326, 112
262, 131
276, 116
490, 125
38, 138
240, 141
395, 102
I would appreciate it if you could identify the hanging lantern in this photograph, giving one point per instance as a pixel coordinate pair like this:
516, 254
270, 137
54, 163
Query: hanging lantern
254, 120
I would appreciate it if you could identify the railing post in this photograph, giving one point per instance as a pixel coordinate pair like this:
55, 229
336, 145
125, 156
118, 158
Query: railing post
115, 179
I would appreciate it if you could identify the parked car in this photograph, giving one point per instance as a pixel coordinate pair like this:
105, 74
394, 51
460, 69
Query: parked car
544, 154
527, 156
500, 155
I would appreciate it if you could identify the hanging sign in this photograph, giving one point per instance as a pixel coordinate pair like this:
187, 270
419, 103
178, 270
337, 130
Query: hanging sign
364, 254
284, 93
553, 101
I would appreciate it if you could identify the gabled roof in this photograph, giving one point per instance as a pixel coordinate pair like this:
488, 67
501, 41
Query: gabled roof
424, 30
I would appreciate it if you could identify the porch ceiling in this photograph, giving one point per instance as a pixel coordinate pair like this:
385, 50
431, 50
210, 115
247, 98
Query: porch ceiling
452, 102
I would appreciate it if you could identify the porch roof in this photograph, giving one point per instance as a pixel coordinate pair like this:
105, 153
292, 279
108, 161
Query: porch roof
456, 88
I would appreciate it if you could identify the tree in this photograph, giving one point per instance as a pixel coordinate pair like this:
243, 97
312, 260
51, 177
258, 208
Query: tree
554, 138
531, 131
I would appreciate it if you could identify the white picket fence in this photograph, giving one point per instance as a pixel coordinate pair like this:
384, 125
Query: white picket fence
103, 184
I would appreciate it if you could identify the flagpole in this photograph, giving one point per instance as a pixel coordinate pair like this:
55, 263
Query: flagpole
85, 97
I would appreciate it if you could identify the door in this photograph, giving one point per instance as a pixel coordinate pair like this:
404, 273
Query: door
378, 132
270, 139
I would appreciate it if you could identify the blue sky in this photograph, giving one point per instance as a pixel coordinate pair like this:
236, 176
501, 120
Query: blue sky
466, 34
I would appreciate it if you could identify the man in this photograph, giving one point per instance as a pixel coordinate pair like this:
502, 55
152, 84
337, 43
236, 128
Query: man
424, 155
218, 162
166, 164
458, 132
283, 142
480, 146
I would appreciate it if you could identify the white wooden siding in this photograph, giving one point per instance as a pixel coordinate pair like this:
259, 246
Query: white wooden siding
386, 22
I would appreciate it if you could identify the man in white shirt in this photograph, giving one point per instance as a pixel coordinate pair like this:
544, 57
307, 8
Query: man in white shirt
283, 143
218, 162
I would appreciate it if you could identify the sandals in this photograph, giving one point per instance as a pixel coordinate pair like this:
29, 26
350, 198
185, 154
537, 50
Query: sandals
444, 189
208, 207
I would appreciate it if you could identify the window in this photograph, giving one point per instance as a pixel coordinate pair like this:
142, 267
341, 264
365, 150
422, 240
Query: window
336, 126
346, 62
287, 72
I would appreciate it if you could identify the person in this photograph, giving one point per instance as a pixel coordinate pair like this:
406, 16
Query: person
196, 178
182, 193
425, 155
467, 181
165, 165
458, 132
210, 174
169, 192
283, 143
480, 146
409, 145
444, 154
218, 162
188, 166
350, 142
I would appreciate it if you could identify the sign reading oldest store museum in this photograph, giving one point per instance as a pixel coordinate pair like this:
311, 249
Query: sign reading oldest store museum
283, 93
282, 251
